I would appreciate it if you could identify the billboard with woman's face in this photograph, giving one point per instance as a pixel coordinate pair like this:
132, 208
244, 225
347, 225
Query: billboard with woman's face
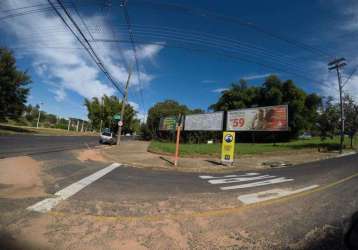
273, 118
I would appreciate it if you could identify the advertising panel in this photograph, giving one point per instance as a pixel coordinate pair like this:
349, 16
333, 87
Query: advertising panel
273, 118
204, 122
168, 123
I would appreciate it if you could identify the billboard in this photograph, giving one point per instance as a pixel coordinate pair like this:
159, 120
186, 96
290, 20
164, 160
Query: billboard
204, 122
168, 123
273, 118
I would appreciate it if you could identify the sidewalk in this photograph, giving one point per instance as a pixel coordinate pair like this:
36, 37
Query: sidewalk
135, 153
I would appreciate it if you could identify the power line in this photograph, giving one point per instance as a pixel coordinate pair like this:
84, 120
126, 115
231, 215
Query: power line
89, 49
207, 13
214, 41
350, 76
219, 45
131, 37
224, 54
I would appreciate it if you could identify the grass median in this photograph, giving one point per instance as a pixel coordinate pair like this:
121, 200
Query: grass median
192, 150
7, 129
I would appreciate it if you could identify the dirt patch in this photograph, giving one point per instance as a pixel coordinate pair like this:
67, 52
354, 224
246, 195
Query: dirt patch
90, 155
20, 178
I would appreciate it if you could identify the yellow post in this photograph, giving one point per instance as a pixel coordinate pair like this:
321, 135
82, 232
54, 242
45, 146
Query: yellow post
228, 147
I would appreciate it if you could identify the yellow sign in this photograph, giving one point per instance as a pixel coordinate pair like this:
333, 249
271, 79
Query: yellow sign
228, 147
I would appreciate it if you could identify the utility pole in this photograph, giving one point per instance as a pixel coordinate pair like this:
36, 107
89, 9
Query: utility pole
124, 100
82, 126
78, 123
38, 118
69, 123
337, 64
100, 126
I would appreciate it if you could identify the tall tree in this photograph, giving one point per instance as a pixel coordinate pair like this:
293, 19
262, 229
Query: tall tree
162, 109
328, 119
105, 109
13, 90
351, 117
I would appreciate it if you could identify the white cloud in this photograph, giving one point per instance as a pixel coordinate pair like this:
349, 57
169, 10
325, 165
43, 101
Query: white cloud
142, 117
71, 69
253, 77
219, 90
330, 87
60, 94
134, 105
349, 11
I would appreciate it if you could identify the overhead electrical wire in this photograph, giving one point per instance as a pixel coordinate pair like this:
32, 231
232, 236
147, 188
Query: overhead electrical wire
146, 31
87, 47
219, 53
251, 25
131, 37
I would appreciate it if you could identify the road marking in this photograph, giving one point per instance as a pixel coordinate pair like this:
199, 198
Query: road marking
226, 176
207, 213
271, 194
257, 184
47, 204
239, 179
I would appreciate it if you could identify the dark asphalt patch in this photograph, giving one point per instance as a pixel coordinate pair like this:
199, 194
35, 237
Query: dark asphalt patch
33, 145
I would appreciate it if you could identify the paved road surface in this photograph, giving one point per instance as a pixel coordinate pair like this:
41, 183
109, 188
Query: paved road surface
153, 195
33, 144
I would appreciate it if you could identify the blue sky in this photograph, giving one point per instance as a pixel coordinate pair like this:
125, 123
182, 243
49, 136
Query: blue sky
183, 53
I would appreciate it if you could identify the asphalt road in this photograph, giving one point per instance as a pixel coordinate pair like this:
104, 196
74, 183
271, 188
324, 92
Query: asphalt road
35, 144
330, 205
135, 183
130, 192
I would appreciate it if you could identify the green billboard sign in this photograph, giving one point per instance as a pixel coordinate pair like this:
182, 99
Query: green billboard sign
168, 123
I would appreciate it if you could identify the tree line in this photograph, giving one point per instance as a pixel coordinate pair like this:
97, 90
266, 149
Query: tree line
307, 112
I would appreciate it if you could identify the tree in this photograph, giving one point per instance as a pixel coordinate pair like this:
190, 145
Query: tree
162, 109
328, 120
13, 90
351, 117
105, 110
302, 107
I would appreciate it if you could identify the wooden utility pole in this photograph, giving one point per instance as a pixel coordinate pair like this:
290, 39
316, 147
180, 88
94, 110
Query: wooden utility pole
124, 100
337, 64
178, 128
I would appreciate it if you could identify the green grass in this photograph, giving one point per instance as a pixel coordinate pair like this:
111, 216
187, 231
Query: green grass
7, 129
246, 148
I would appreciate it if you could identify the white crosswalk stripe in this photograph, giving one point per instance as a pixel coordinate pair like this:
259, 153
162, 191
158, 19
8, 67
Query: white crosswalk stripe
226, 176
239, 179
257, 184
248, 180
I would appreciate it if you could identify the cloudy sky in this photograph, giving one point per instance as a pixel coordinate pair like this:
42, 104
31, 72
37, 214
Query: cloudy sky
184, 52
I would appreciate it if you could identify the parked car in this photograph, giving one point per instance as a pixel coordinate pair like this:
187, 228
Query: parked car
305, 136
108, 137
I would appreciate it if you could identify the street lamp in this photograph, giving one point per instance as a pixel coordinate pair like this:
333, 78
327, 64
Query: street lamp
38, 118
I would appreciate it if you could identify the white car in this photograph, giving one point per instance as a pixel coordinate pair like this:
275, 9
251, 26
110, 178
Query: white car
305, 136
108, 137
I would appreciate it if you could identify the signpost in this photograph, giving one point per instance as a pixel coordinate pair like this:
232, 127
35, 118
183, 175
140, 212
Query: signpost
177, 145
228, 147
117, 117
